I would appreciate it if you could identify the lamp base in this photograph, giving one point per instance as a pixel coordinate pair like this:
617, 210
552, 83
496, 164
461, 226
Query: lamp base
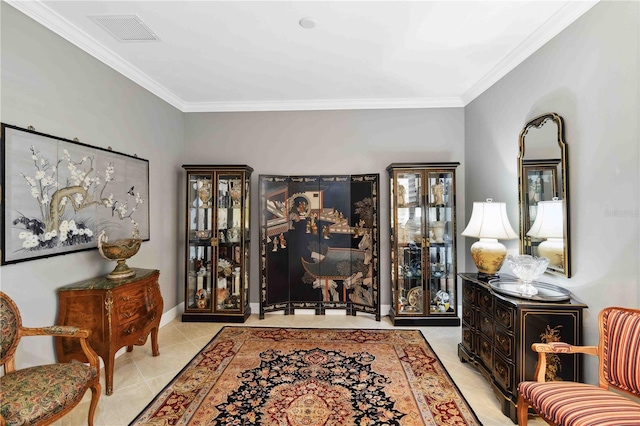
487, 277
552, 249
488, 255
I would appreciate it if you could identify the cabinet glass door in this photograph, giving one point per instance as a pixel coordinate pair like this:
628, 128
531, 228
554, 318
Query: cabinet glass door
199, 283
247, 239
441, 242
409, 218
230, 218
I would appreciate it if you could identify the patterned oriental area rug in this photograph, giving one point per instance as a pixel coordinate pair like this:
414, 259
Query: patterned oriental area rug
311, 377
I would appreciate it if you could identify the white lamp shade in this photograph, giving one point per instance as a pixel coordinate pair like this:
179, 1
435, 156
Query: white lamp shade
549, 221
489, 220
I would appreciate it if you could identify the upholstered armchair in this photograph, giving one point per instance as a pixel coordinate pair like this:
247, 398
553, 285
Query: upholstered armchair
42, 394
579, 404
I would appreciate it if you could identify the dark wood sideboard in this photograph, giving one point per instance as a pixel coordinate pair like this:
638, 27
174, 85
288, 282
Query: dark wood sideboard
117, 312
497, 333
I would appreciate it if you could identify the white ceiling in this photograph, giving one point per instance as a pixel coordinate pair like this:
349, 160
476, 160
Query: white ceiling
254, 56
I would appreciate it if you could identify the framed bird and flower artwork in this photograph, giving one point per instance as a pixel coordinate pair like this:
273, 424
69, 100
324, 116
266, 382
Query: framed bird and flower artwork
58, 195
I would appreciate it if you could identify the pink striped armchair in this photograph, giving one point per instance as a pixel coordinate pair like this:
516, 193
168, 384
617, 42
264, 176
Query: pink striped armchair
614, 402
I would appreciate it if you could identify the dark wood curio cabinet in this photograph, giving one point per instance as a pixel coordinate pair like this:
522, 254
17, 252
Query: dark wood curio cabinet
422, 200
218, 243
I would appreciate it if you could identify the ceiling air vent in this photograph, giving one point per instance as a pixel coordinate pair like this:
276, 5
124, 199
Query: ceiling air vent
126, 28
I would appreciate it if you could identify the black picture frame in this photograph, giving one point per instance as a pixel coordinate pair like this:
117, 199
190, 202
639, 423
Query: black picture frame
57, 195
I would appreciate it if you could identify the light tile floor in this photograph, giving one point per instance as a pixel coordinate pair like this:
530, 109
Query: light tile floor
138, 376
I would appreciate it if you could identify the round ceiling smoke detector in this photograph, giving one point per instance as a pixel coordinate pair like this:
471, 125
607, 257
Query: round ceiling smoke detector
307, 23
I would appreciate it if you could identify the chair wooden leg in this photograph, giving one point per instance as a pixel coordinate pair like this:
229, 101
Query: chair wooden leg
522, 411
95, 396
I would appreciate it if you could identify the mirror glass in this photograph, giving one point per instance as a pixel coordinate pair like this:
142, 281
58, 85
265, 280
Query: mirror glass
544, 192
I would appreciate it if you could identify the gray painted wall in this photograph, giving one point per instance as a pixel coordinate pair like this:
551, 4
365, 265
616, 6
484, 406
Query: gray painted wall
327, 142
589, 75
60, 90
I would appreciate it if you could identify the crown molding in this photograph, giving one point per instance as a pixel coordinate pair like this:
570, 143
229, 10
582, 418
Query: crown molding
324, 105
42, 14
569, 13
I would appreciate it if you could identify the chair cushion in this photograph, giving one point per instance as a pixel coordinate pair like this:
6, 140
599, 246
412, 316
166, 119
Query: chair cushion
36, 393
580, 404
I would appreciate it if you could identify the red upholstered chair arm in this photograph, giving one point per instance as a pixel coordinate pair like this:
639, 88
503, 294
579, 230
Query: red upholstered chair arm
557, 348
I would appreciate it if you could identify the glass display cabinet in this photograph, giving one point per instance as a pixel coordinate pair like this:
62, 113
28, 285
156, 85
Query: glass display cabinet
218, 243
423, 244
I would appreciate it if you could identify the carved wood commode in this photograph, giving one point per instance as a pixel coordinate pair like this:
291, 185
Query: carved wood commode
117, 312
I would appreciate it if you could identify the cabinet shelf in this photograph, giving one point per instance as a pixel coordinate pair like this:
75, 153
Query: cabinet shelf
200, 242
445, 244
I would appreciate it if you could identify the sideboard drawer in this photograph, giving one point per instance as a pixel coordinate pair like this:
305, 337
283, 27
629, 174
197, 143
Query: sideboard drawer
468, 315
485, 299
485, 351
133, 302
485, 324
504, 315
503, 372
134, 332
504, 342
468, 338
468, 294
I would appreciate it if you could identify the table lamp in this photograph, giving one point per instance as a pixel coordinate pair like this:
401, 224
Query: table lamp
489, 223
549, 225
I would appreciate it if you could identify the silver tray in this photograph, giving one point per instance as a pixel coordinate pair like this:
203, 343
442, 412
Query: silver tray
546, 292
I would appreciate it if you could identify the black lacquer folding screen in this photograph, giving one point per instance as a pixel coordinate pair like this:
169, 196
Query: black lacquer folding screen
319, 243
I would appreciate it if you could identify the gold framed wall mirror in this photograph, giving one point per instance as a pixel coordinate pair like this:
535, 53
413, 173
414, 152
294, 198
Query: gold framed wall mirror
544, 192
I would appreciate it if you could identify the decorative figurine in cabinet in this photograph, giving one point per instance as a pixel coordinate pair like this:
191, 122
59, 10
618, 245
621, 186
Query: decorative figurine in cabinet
423, 243
218, 243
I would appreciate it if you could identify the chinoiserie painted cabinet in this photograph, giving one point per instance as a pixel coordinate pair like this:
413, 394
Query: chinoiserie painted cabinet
423, 243
218, 243
498, 331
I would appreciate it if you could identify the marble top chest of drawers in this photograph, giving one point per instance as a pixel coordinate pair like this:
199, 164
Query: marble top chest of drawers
117, 312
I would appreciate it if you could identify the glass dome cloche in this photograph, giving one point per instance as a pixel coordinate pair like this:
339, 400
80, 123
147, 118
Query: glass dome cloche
527, 268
